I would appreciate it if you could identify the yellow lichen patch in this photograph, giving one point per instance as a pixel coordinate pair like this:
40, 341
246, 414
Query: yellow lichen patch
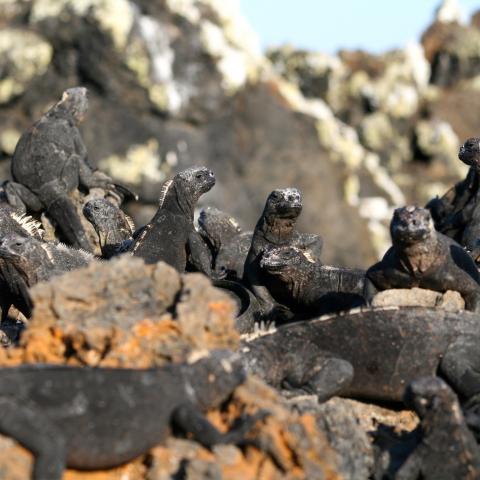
114, 17
8, 140
23, 56
139, 162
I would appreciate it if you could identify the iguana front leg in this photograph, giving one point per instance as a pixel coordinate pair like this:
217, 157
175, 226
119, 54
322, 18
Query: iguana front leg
200, 256
20, 197
326, 380
37, 434
188, 418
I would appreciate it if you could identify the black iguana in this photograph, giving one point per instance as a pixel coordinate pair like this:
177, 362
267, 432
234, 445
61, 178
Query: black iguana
98, 418
422, 257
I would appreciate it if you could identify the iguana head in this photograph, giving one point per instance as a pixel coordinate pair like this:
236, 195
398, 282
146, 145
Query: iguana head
285, 261
25, 253
108, 220
195, 182
284, 203
427, 394
411, 225
74, 102
469, 152
214, 377
217, 226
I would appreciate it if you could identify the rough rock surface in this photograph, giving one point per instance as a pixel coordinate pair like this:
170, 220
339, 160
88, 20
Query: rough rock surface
411, 297
124, 313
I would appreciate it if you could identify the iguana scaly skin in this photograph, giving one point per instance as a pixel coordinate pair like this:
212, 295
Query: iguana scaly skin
447, 449
32, 261
13, 289
295, 364
456, 214
170, 236
387, 347
276, 228
50, 162
422, 257
307, 287
228, 243
98, 418
114, 228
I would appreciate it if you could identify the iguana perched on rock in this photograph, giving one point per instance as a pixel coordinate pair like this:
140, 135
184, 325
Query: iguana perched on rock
12, 285
422, 257
387, 347
114, 228
447, 449
50, 162
98, 418
295, 364
276, 228
456, 212
170, 236
228, 243
307, 287
28, 261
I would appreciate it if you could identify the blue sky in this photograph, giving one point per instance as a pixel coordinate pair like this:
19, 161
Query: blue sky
328, 25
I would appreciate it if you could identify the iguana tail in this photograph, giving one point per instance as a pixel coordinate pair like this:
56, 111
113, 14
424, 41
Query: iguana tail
64, 214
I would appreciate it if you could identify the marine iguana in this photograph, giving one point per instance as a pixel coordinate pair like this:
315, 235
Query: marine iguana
422, 257
387, 347
228, 243
295, 364
447, 449
97, 418
453, 212
307, 287
50, 162
114, 228
276, 228
12, 285
28, 261
170, 236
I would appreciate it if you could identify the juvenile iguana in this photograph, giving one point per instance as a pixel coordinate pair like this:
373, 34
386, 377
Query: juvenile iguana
114, 228
25, 261
387, 347
228, 243
50, 162
447, 449
307, 287
98, 418
422, 257
171, 236
276, 228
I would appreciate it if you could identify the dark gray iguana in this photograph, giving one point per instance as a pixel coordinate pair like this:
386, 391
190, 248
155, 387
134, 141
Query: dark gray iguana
447, 449
97, 418
307, 287
12, 285
50, 162
171, 236
456, 214
276, 228
387, 347
114, 228
422, 257
28, 261
228, 243
295, 364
